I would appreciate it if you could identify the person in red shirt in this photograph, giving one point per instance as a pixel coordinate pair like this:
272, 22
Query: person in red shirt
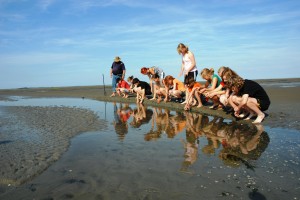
123, 87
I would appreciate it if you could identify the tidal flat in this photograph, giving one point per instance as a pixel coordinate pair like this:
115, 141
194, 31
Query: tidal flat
76, 148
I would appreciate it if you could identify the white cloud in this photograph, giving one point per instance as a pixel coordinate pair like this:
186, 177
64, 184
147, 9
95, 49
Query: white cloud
45, 4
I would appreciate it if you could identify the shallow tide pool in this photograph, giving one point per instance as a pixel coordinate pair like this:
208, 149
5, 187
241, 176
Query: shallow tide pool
154, 153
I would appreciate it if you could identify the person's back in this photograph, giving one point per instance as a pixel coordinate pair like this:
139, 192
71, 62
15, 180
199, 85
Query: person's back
179, 85
146, 86
255, 90
124, 84
218, 78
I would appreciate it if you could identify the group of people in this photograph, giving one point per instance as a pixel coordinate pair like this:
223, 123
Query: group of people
246, 98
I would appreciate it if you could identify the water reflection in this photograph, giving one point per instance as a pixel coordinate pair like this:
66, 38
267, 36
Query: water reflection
141, 115
121, 115
234, 143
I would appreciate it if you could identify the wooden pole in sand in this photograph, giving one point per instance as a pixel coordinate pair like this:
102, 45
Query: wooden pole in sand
104, 84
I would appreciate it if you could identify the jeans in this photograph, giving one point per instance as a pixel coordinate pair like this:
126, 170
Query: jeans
114, 82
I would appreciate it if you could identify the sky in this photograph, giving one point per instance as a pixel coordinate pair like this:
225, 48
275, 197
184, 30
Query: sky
54, 43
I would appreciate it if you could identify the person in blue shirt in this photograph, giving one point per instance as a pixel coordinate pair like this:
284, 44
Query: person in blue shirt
117, 70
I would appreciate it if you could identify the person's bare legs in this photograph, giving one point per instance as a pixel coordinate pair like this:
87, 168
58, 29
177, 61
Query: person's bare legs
197, 95
186, 97
252, 104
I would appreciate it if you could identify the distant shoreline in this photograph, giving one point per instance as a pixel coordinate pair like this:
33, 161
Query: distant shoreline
261, 81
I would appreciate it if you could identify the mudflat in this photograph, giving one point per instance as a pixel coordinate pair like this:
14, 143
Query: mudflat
33, 138
283, 111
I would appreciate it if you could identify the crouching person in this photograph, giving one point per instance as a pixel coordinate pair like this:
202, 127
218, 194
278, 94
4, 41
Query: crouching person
192, 93
249, 95
122, 88
142, 89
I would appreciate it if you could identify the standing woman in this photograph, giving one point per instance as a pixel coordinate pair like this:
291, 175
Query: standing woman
188, 66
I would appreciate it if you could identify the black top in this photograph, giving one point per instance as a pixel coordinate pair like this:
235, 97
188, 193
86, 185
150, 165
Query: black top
146, 86
254, 90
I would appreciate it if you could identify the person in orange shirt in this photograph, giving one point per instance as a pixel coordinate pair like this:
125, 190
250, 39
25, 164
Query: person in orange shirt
174, 87
192, 92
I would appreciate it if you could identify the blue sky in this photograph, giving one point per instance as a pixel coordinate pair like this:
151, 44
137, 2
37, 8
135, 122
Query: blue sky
50, 43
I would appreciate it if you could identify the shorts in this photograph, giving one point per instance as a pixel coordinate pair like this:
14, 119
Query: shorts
124, 90
263, 105
191, 74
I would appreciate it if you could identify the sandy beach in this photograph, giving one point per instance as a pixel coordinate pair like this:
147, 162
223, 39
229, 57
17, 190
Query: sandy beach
283, 93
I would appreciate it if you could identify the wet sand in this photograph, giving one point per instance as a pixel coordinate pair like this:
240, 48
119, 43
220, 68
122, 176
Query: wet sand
42, 134
32, 138
283, 111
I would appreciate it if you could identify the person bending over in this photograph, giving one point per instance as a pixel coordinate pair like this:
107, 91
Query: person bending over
249, 95
142, 89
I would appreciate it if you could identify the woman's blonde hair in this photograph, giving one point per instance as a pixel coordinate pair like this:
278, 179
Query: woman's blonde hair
207, 72
235, 81
228, 72
182, 46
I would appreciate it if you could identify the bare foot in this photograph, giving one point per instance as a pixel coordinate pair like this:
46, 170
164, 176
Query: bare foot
183, 102
152, 99
213, 106
220, 107
187, 107
158, 100
142, 101
194, 102
259, 127
259, 119
252, 114
113, 94
126, 96
199, 105
242, 115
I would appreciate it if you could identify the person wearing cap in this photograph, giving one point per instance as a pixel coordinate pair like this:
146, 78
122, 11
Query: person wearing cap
117, 70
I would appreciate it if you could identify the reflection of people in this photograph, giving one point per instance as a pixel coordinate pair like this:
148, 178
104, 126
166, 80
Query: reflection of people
121, 115
160, 119
191, 150
242, 143
117, 70
141, 115
178, 123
